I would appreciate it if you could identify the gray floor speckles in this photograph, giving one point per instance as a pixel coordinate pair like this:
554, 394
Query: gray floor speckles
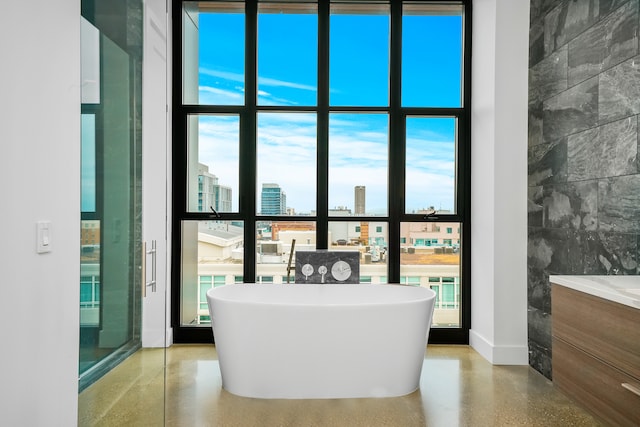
458, 387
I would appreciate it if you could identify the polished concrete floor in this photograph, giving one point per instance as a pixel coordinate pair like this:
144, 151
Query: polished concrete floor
457, 388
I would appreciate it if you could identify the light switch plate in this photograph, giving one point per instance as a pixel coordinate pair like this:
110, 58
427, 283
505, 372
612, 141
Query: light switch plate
43, 233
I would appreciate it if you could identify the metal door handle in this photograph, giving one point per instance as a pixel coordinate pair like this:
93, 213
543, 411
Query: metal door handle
146, 252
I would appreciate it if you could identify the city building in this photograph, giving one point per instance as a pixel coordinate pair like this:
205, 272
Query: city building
273, 200
90, 233
211, 193
359, 200
220, 263
340, 211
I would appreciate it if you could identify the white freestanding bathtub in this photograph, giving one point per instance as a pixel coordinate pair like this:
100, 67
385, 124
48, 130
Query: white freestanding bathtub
306, 341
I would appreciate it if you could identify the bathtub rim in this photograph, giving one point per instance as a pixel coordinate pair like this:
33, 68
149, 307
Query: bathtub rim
430, 295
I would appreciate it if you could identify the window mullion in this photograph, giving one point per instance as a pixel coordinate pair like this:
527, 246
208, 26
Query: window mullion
396, 145
248, 187
322, 195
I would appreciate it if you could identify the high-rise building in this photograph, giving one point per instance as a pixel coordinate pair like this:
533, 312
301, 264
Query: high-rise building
212, 194
273, 200
360, 201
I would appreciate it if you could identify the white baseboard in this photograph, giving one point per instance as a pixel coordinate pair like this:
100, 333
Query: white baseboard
499, 355
169, 337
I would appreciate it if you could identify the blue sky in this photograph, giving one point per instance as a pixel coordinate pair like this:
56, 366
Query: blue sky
358, 144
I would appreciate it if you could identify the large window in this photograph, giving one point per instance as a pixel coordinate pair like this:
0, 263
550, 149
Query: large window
320, 125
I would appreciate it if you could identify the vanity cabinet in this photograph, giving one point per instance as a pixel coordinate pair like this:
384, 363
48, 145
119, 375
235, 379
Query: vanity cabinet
596, 354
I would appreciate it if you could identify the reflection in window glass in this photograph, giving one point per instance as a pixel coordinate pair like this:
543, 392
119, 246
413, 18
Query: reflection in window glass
88, 163
273, 248
431, 260
287, 54
212, 255
286, 163
432, 55
358, 164
431, 165
359, 55
90, 273
213, 53
213, 163
111, 199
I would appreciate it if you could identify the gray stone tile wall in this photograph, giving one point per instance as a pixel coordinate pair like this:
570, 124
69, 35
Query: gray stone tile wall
583, 169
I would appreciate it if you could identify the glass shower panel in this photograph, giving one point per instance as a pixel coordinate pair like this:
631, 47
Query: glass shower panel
118, 250
112, 363
110, 259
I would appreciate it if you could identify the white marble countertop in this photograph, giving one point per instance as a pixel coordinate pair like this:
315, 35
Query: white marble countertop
621, 289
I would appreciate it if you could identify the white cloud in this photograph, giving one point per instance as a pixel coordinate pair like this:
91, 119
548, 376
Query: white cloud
426, 189
430, 173
236, 77
266, 81
358, 155
266, 98
287, 150
282, 83
213, 95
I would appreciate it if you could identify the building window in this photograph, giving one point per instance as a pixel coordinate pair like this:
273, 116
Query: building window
448, 295
89, 292
318, 125
206, 283
436, 289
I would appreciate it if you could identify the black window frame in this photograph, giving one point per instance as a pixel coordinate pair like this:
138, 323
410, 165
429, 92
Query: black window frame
248, 112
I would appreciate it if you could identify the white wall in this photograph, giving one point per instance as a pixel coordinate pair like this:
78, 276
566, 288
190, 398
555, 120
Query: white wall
499, 180
40, 180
